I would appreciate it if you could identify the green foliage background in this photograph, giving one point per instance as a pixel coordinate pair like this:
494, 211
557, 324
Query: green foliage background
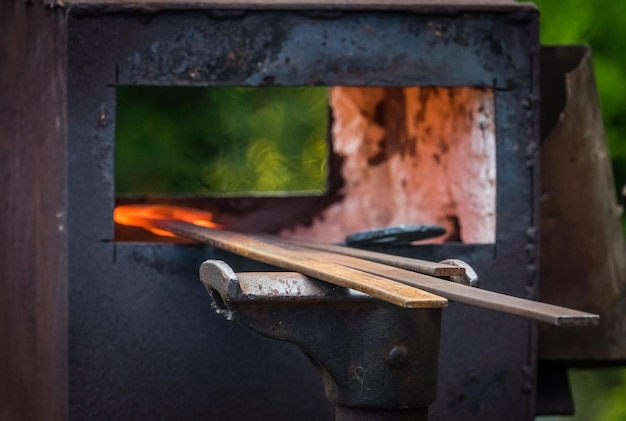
221, 140
602, 25
600, 395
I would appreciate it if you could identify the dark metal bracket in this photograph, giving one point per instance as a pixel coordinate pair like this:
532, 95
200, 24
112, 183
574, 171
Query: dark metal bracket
378, 361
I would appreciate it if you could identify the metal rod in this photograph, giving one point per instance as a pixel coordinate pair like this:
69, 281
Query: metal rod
316, 263
300, 261
547, 313
416, 265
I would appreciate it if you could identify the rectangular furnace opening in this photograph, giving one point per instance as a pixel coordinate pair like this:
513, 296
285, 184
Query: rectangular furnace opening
312, 162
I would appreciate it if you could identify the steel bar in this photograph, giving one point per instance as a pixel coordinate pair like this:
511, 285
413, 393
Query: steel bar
416, 265
300, 261
547, 313
331, 267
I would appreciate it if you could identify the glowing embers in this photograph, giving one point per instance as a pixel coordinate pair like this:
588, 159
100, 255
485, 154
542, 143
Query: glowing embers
237, 141
145, 216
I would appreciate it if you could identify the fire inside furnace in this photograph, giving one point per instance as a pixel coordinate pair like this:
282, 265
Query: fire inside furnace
145, 216
382, 157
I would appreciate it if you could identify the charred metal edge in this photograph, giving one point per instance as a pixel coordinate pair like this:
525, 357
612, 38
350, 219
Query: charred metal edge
422, 6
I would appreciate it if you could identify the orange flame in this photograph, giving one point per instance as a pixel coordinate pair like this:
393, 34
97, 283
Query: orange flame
144, 216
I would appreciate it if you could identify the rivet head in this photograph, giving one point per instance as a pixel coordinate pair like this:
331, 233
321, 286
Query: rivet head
398, 357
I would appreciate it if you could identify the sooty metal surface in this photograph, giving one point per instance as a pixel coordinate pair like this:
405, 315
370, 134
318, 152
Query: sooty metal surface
143, 342
146, 344
371, 355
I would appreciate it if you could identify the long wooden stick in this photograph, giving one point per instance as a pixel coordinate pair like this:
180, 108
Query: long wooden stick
301, 261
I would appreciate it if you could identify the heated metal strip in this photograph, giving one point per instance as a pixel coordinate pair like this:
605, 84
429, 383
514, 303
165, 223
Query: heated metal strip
542, 312
548, 313
333, 267
300, 261
416, 265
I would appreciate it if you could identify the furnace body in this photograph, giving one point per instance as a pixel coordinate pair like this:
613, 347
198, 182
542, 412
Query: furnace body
126, 329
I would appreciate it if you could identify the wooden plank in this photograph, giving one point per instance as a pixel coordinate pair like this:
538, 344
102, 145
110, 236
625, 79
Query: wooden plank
300, 261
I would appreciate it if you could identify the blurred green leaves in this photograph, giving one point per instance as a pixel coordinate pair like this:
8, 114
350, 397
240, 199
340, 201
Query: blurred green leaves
602, 25
598, 395
221, 140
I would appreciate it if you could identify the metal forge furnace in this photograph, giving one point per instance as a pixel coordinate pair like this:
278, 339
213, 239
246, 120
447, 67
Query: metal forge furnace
99, 328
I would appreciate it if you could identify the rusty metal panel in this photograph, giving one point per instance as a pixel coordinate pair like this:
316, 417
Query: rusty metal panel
32, 215
583, 253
